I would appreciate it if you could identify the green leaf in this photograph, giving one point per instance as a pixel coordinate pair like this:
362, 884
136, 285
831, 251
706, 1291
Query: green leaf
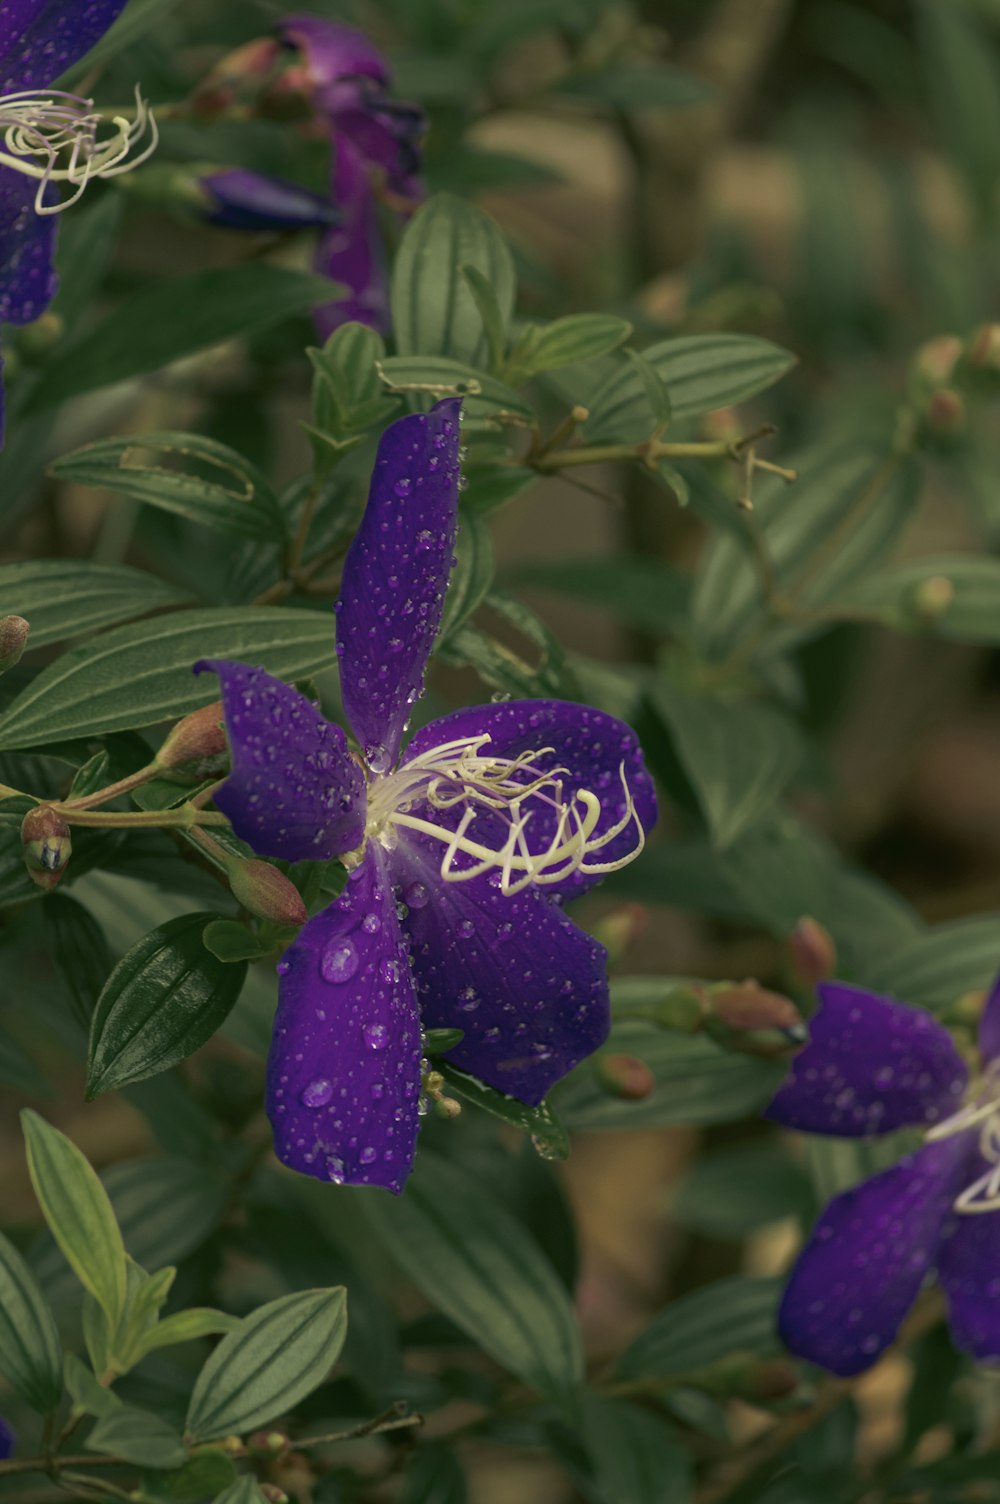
472, 575
658, 87
187, 1326
441, 376
184, 473
970, 597
935, 966
79, 952
141, 674
348, 394
738, 754
963, 83
578, 336
169, 317
230, 941
493, 487
65, 598
79, 1213
729, 1193
482, 1269
736, 1315
163, 1000
31, 1357
276, 1357
634, 1456
433, 309
166, 1207
548, 1136
89, 1396
643, 593
701, 372
245, 1490
139, 1437
505, 669
491, 314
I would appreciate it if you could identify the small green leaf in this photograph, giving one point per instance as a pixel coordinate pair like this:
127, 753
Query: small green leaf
65, 598
89, 1396
472, 576
433, 308
141, 674
548, 1136
578, 336
348, 395
733, 1315
31, 1358
173, 316
163, 1000
185, 473
491, 314
138, 1436
230, 941
79, 952
272, 1361
481, 1268
79, 1214
244, 1491
187, 1326
440, 376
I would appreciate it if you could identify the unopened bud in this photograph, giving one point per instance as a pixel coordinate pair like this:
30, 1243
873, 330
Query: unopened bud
984, 348
620, 929
232, 1446
625, 1076
47, 845
267, 1444
13, 639
266, 892
273, 1494
935, 361
776, 1379
811, 952
723, 425
931, 598
236, 76
36, 340
198, 739
945, 414
746, 1017
447, 1107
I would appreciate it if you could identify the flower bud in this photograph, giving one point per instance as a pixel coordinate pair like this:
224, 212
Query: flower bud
935, 361
625, 1076
273, 1494
722, 426
745, 1017
774, 1379
619, 929
945, 415
267, 1444
239, 199
200, 738
237, 76
984, 348
931, 598
811, 952
13, 639
47, 845
266, 892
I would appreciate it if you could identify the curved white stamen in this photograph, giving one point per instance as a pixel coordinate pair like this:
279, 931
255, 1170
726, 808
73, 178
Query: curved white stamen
983, 1195
39, 129
515, 789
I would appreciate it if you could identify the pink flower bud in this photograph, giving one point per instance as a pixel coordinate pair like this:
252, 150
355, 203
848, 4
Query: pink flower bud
984, 348
266, 892
625, 1076
47, 845
267, 1444
745, 1017
13, 638
812, 953
946, 413
200, 738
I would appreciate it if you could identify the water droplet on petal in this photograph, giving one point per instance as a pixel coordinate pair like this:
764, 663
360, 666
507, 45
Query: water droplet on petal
466, 929
317, 1093
371, 924
377, 757
368, 1154
416, 896
376, 1036
339, 961
283, 968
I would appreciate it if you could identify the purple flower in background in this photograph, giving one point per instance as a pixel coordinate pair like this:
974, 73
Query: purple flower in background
41, 128
240, 199
8, 1440
375, 157
461, 848
873, 1066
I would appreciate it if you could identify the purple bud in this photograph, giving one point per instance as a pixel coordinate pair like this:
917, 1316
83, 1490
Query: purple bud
243, 200
8, 1439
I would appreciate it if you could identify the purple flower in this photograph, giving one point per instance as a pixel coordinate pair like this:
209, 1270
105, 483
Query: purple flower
8, 1439
375, 157
41, 128
240, 199
461, 848
873, 1066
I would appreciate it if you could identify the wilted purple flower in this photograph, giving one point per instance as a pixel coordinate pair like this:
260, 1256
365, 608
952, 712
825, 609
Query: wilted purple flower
375, 157
461, 849
873, 1066
48, 137
240, 199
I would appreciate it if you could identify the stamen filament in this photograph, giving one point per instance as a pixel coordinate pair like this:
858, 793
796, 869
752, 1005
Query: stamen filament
46, 126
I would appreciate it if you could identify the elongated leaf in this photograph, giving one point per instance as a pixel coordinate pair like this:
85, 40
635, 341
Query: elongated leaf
733, 1315
166, 1207
433, 309
936, 966
439, 375
67, 598
174, 316
481, 1268
548, 1136
79, 1214
31, 1358
187, 1326
738, 754
579, 336
139, 1437
969, 588
79, 952
635, 1458
277, 1356
204, 481
472, 575
731, 1192
539, 668
163, 1000
701, 372
137, 675
643, 593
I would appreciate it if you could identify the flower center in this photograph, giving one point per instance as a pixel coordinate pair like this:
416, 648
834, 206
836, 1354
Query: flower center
981, 1111
42, 131
511, 792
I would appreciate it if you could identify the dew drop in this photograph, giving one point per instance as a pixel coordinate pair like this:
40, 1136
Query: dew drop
466, 929
376, 1036
377, 757
283, 968
317, 1093
368, 1154
340, 961
416, 896
371, 924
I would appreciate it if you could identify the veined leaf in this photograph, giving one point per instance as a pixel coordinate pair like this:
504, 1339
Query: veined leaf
63, 598
31, 1358
732, 1315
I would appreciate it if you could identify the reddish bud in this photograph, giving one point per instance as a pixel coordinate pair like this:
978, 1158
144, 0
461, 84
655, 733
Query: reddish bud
723, 425
984, 348
812, 953
47, 845
774, 1380
946, 413
753, 1021
273, 1494
13, 639
200, 738
625, 1076
237, 76
266, 892
936, 360
267, 1444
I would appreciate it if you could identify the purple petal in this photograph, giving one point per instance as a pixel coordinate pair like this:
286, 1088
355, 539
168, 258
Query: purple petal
594, 747
343, 1075
863, 1267
245, 200
871, 1065
389, 135
989, 1025
395, 576
352, 252
969, 1268
8, 1439
27, 244
529, 989
39, 39
294, 790
332, 52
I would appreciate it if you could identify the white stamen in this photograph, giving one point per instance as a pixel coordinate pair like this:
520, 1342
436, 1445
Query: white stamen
38, 130
983, 1195
459, 773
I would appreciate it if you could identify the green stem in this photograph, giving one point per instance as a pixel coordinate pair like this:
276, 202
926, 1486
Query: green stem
112, 790
152, 819
389, 1420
